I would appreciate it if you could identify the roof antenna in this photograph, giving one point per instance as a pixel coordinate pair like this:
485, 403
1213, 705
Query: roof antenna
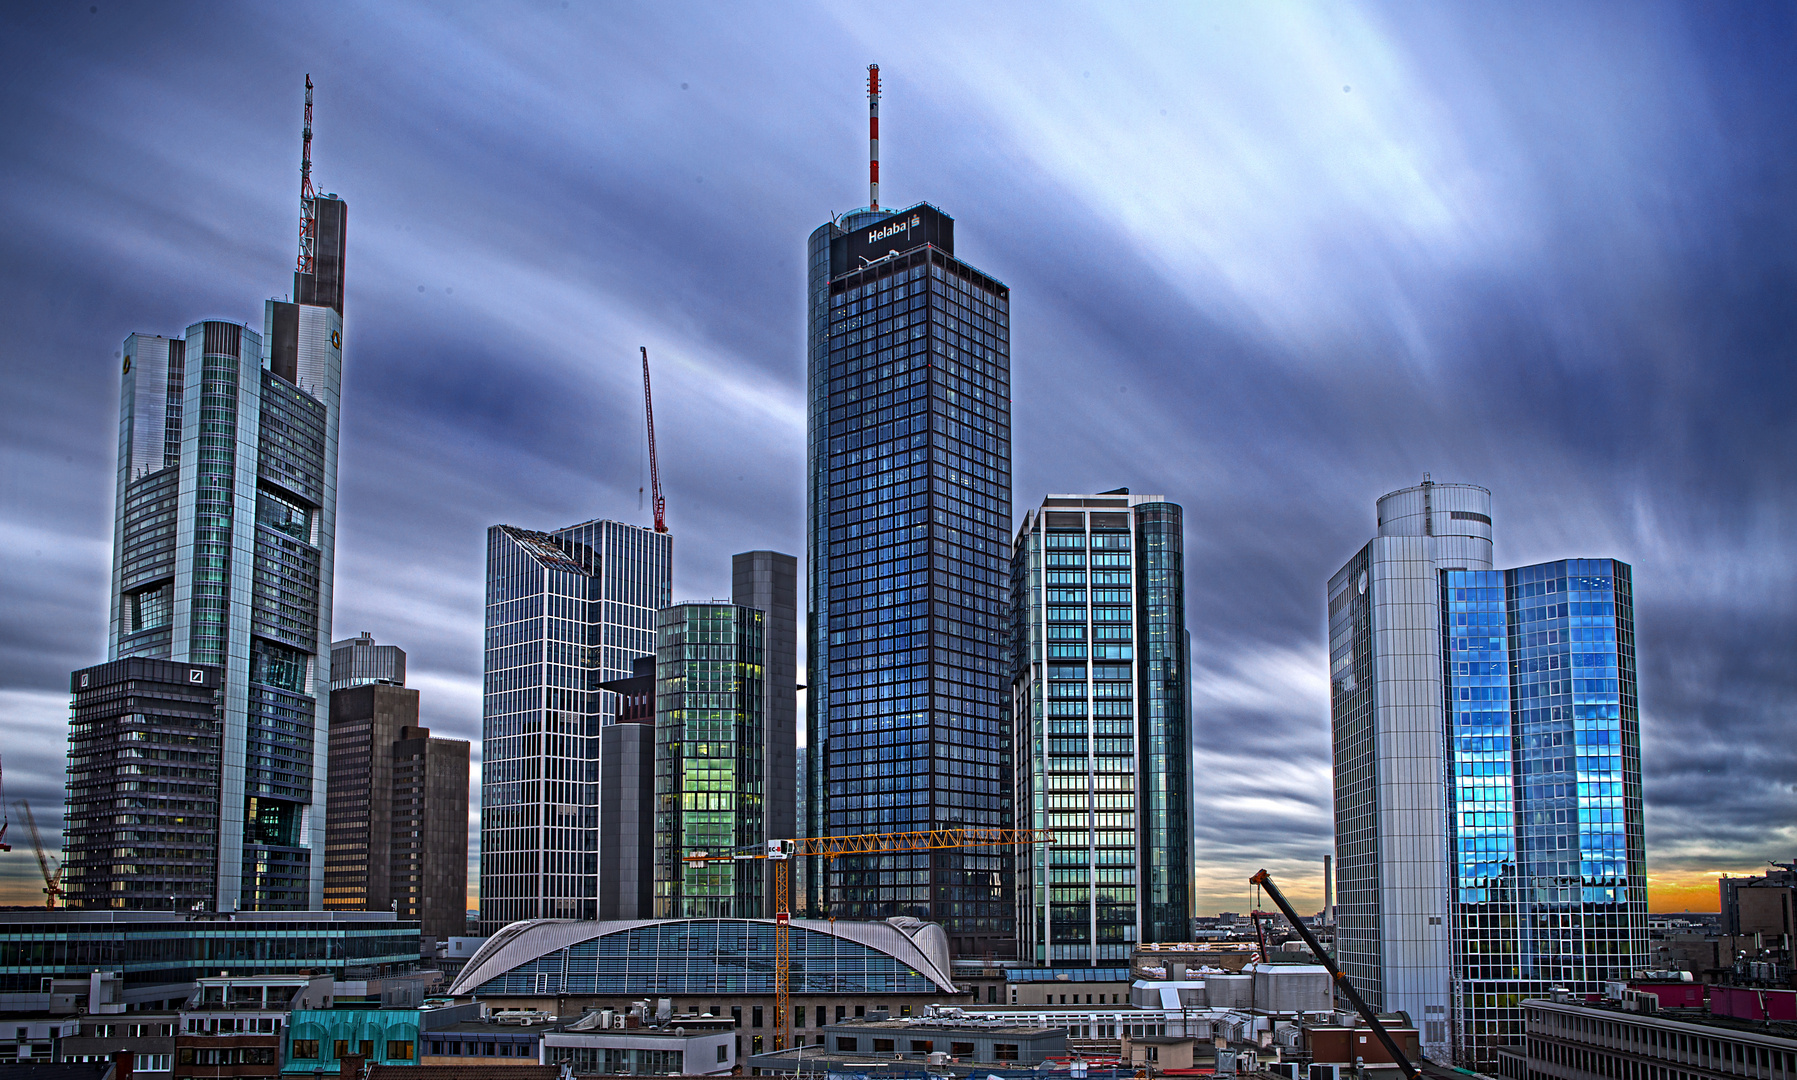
308, 246
873, 137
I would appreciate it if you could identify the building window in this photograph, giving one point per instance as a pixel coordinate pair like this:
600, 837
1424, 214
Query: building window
399, 1051
798, 1016
847, 1045
755, 1016
1004, 1051
152, 1063
883, 1046
723, 1053
340, 1049
960, 1050
305, 1049
922, 1046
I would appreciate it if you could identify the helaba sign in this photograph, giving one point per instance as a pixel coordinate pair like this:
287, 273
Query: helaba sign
904, 225
903, 231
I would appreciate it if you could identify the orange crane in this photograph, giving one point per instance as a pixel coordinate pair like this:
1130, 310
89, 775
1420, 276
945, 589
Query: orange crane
46, 862
655, 499
781, 852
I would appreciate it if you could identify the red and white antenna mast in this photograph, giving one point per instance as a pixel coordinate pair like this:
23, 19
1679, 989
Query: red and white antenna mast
873, 136
308, 245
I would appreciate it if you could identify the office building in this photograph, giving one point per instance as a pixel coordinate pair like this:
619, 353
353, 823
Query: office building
909, 510
140, 823
1487, 774
768, 581
710, 761
1100, 701
223, 542
1624, 1035
566, 611
627, 797
162, 954
396, 832
358, 661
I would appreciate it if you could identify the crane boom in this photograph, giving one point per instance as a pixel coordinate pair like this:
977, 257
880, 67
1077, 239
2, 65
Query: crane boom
52, 874
782, 852
1265, 881
661, 522
5, 820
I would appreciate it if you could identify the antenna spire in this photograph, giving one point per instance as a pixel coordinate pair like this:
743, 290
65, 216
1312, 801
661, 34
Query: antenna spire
308, 245
873, 136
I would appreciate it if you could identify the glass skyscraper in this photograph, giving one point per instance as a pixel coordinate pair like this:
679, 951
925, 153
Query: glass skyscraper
1100, 703
909, 503
223, 546
1487, 774
711, 778
565, 612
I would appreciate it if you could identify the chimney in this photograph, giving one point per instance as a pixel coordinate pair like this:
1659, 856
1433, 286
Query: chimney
350, 1067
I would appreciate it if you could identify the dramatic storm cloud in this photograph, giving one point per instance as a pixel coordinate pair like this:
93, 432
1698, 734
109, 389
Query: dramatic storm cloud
1271, 261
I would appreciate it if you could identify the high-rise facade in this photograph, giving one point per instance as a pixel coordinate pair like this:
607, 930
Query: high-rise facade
223, 547
710, 760
1487, 774
909, 509
627, 797
1101, 715
768, 581
140, 824
358, 661
565, 612
396, 829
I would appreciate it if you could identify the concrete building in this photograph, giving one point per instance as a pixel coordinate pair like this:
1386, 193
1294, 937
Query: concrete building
1762, 906
565, 612
768, 581
627, 797
638, 1044
1625, 1036
224, 532
1101, 726
358, 661
909, 510
396, 836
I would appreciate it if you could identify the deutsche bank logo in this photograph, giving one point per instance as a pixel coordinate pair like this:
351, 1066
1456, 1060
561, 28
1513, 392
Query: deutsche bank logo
195, 675
84, 679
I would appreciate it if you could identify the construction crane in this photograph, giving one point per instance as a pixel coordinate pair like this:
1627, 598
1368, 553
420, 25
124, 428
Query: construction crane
4, 819
46, 862
1265, 881
655, 500
781, 852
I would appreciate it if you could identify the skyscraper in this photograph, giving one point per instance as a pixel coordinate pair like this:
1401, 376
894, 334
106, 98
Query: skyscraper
768, 581
396, 829
909, 504
565, 612
1101, 710
1487, 774
223, 543
358, 661
710, 760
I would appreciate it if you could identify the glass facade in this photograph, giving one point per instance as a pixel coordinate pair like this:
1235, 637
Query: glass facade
710, 735
223, 554
1545, 822
1100, 714
709, 957
157, 949
909, 447
565, 611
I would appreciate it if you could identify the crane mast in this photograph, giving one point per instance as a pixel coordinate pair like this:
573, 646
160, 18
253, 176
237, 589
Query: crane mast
51, 867
4, 819
308, 238
655, 500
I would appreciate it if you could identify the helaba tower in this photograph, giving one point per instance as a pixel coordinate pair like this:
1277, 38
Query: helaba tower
909, 510
197, 752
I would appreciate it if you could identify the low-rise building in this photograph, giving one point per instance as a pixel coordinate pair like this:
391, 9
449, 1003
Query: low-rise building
1631, 1039
608, 1043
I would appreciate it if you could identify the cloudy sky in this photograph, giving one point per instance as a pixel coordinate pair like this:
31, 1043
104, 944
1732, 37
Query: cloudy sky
1270, 260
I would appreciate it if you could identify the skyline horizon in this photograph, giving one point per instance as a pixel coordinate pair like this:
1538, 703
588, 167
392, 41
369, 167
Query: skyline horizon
1457, 320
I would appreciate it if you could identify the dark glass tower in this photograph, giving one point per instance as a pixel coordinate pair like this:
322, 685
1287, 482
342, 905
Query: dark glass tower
909, 506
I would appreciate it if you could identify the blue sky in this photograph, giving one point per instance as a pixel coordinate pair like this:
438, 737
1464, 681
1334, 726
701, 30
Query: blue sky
1269, 260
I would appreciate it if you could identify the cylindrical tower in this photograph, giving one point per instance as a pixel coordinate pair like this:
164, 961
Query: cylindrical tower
1458, 516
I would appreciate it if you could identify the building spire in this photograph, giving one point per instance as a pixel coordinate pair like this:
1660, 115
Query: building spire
308, 245
873, 136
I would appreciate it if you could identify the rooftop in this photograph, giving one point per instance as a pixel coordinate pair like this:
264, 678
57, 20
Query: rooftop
1698, 1018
